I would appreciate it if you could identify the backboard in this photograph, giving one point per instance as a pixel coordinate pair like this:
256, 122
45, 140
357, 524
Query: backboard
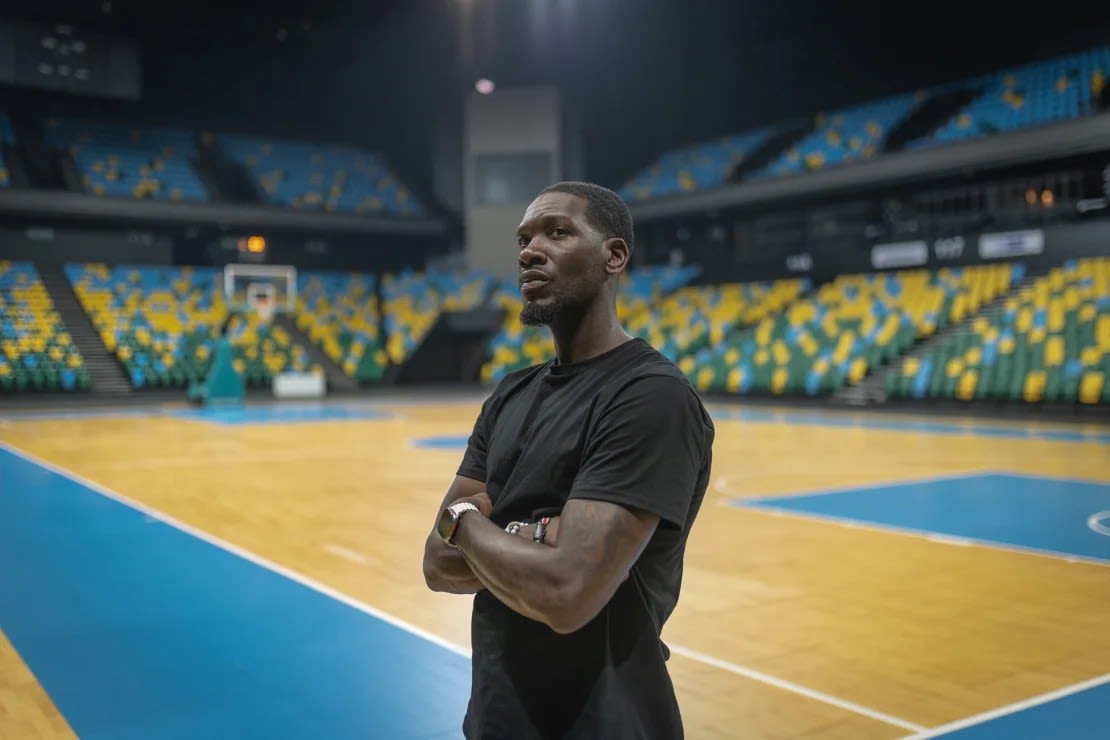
262, 289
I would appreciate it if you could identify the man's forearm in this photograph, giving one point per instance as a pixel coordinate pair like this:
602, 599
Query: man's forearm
525, 575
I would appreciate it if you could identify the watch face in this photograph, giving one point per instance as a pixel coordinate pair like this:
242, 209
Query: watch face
446, 525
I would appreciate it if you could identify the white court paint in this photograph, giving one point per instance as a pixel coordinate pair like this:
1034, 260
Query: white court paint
1097, 522
345, 553
794, 688
1019, 706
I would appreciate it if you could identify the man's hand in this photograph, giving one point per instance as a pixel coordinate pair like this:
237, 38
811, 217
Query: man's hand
445, 569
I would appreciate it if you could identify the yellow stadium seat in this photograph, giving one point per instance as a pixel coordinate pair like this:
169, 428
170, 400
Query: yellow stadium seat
1033, 390
778, 380
965, 387
1090, 387
704, 378
857, 370
735, 378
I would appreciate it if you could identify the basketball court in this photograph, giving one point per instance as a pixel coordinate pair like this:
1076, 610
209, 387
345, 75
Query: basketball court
183, 571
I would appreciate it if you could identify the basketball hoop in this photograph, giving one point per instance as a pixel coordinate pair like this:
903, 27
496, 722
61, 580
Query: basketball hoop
260, 290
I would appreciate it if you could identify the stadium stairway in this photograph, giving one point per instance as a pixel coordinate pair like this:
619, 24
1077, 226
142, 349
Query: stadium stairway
338, 381
43, 167
871, 389
771, 149
929, 116
106, 375
12, 160
225, 178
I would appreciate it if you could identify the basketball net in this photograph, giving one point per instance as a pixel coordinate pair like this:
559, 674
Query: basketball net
264, 307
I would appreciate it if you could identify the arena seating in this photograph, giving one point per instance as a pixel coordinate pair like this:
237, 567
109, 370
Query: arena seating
35, 349
162, 324
1049, 342
1034, 94
836, 335
412, 302
698, 167
339, 312
312, 177
850, 134
1028, 96
7, 137
517, 346
701, 316
129, 161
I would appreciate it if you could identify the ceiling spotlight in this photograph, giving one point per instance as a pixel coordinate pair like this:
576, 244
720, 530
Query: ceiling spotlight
484, 86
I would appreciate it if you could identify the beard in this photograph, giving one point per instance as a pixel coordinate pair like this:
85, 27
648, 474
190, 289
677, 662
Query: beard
539, 313
552, 310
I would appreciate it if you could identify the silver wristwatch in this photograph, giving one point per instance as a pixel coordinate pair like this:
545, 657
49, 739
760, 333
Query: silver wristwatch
449, 520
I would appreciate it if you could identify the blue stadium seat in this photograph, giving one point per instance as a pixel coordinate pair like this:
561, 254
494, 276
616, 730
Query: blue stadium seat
1032, 95
330, 178
1035, 94
698, 167
850, 134
129, 161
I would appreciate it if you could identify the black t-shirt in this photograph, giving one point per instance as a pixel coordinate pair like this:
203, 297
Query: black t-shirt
626, 427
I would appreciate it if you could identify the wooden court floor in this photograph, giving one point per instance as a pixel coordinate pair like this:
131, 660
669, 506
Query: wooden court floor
788, 625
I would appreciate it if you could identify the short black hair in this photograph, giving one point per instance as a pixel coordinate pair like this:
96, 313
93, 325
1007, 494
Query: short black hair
606, 211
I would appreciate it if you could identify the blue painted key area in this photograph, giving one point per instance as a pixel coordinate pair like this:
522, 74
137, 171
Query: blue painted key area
137, 629
1041, 514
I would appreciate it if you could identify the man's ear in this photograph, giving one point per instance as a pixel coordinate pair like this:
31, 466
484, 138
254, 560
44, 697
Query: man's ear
617, 255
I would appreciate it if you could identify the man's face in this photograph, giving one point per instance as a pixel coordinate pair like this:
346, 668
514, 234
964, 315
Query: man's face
562, 259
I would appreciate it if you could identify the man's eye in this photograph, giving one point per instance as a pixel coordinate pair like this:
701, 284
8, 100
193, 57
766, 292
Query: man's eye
559, 231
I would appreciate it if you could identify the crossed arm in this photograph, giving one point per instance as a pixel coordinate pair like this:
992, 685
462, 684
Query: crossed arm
563, 585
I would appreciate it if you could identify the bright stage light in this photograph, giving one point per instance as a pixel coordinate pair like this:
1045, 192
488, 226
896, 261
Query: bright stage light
484, 86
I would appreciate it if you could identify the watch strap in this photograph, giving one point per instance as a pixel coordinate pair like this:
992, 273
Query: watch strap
457, 510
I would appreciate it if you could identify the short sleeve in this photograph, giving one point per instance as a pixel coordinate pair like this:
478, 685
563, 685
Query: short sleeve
648, 449
477, 445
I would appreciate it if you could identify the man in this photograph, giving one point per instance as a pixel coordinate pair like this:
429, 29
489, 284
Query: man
569, 515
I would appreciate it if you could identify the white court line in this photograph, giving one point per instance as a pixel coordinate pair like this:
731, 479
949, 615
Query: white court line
766, 504
411, 628
346, 554
924, 534
1095, 522
1019, 706
794, 688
